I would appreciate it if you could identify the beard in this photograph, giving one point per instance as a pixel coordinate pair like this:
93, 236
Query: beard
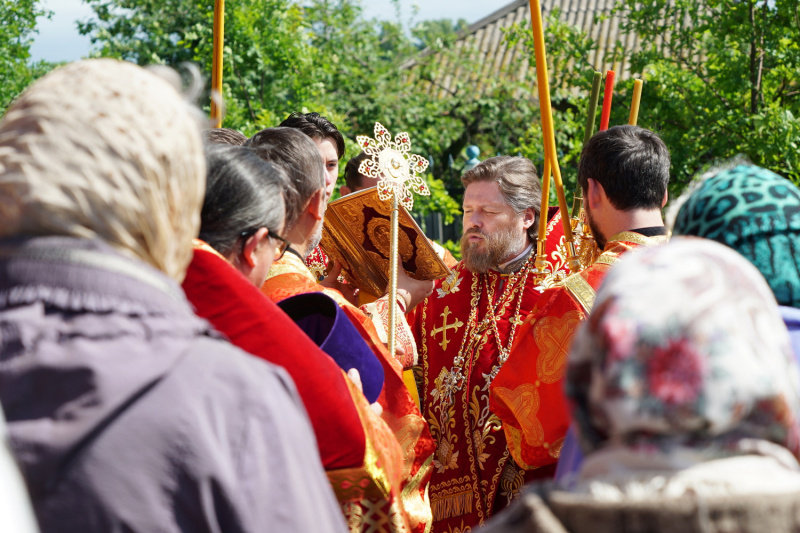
599, 238
313, 241
495, 248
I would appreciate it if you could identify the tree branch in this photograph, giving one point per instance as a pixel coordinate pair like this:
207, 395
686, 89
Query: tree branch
244, 91
684, 63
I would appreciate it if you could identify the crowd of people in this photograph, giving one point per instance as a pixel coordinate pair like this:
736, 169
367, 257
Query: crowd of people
178, 354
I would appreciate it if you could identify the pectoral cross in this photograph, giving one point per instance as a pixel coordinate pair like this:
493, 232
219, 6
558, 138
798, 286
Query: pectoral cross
445, 326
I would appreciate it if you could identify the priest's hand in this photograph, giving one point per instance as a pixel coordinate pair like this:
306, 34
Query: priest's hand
331, 281
411, 290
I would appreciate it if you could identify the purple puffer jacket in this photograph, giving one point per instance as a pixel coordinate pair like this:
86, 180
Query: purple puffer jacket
128, 413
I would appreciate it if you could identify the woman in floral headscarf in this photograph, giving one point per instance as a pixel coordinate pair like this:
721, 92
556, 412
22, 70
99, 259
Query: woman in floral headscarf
686, 397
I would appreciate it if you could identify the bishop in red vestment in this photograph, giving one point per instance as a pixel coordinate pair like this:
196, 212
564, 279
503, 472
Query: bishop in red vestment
464, 331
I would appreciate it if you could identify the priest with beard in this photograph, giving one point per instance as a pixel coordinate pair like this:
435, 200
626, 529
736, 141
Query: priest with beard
464, 332
623, 172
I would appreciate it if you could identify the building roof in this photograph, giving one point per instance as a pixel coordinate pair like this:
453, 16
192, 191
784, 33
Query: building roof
594, 17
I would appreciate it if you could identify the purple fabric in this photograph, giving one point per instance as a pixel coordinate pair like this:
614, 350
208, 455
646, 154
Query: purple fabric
128, 413
321, 319
791, 317
569, 462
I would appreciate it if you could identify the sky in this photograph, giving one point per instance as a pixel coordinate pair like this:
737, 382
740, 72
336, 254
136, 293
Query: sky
58, 38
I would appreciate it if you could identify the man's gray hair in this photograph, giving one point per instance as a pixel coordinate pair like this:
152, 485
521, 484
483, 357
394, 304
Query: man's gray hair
299, 157
518, 182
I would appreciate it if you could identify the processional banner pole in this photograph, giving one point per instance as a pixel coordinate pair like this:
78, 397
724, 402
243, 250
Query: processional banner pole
217, 62
550, 152
393, 252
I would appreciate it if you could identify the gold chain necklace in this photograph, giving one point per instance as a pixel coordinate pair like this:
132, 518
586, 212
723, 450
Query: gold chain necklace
503, 304
454, 379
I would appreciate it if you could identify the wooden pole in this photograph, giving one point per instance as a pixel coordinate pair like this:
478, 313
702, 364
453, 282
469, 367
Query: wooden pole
216, 68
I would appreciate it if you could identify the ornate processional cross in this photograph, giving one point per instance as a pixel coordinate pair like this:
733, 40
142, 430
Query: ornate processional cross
398, 172
445, 326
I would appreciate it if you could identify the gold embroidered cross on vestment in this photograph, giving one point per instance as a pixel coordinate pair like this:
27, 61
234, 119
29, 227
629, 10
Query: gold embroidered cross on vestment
445, 326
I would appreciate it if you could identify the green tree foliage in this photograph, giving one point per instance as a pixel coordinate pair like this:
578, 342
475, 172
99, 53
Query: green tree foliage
281, 57
725, 81
17, 27
437, 33
268, 62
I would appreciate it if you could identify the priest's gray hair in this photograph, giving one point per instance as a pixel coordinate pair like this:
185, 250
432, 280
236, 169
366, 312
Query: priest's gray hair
104, 149
518, 182
299, 157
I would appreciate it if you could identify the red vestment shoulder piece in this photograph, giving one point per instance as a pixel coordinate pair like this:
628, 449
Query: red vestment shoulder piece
463, 331
528, 392
289, 277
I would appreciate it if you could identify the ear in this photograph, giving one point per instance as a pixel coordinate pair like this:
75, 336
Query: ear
528, 217
251, 245
595, 194
344, 190
316, 205
664, 200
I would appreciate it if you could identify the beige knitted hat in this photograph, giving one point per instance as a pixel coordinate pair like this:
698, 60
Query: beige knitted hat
104, 149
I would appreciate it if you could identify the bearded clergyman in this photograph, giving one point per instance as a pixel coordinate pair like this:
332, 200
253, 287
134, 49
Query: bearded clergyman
464, 332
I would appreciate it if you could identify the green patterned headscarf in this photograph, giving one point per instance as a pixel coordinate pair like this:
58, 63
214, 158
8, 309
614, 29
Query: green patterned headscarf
755, 212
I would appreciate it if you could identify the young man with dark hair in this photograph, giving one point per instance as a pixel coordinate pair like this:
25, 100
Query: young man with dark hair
623, 172
327, 137
330, 143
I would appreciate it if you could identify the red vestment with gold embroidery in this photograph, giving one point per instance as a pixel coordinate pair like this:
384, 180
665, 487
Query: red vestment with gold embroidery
528, 393
463, 332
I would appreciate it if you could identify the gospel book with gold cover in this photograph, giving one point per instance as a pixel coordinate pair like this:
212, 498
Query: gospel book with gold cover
357, 233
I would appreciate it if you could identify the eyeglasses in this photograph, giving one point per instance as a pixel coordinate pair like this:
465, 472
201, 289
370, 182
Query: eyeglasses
282, 245
280, 248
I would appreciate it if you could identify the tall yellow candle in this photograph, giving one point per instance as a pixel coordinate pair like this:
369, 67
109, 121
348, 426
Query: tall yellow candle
545, 200
548, 131
637, 98
216, 67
